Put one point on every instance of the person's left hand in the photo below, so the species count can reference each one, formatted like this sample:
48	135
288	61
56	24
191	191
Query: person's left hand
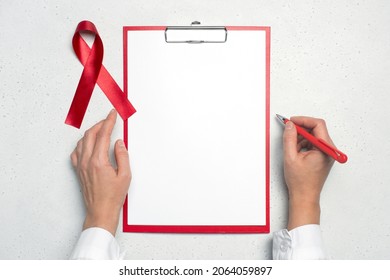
104	187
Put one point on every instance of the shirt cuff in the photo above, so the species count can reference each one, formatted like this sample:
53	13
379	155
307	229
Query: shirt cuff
302	243
96	244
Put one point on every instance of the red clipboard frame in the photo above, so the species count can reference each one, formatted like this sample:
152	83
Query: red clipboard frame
237	229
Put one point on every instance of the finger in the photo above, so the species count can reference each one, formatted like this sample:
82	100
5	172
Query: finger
79	148
102	144
73	158
79	151
122	159
290	141
317	126
89	141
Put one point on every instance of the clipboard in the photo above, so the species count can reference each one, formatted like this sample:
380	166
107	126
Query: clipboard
199	142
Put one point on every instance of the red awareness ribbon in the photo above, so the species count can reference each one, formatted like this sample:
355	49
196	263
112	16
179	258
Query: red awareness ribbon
94	72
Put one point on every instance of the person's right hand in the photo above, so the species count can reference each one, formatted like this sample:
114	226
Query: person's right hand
305	170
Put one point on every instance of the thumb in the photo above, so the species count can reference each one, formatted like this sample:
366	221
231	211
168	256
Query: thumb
122	158
290	138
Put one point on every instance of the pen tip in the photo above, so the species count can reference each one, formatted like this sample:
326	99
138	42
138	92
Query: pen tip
280	118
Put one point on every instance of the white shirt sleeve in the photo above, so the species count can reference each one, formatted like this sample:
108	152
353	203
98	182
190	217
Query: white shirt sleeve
97	244
304	242
301	243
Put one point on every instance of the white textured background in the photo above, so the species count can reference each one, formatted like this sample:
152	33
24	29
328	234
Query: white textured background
329	59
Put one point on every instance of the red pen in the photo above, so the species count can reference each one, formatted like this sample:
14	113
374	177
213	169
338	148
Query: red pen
319	143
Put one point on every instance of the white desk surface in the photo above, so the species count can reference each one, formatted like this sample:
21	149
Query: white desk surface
329	59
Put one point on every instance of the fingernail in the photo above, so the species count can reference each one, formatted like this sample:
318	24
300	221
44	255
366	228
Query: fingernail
289	125
121	144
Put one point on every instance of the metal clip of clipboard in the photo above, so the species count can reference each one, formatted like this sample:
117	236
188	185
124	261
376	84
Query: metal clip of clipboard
196	34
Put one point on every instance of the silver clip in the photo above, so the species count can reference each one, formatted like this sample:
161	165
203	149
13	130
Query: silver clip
196	34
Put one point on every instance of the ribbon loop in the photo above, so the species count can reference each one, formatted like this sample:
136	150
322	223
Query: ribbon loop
94	72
